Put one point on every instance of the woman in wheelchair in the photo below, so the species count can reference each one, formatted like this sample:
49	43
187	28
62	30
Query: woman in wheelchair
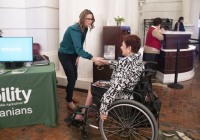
118	116
125	76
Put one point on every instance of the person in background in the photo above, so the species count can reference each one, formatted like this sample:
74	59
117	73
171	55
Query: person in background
1	33
71	48
166	27
125	76
179	26
153	41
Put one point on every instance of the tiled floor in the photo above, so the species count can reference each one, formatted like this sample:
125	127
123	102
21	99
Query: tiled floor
180	111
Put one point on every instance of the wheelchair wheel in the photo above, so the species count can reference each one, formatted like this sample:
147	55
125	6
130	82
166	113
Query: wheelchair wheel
129	120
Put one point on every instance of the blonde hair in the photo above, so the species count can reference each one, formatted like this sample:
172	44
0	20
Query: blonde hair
82	17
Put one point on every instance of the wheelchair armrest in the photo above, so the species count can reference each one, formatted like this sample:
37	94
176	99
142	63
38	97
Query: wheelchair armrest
147	73
148	70
150	62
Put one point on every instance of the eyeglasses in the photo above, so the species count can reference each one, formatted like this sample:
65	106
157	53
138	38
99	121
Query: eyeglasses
89	19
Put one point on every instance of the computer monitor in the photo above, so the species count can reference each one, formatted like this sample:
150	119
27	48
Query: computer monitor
14	51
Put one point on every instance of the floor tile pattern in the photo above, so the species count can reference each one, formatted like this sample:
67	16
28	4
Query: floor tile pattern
180	111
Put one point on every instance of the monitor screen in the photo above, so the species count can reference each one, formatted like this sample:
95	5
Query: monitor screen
16	49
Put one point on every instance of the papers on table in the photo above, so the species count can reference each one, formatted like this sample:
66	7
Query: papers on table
17	71
4	71
41	63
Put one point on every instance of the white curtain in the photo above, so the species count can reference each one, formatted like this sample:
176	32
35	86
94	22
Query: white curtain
195	16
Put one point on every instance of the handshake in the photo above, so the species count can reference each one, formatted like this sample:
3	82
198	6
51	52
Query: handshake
100	61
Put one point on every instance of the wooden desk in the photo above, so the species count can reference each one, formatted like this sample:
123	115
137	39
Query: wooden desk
167	58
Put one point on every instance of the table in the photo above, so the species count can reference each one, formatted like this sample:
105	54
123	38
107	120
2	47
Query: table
29	98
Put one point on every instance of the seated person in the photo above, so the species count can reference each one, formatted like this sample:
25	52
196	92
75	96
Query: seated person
36	53
125	75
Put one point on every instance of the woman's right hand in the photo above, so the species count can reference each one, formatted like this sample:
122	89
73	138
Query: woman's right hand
103	116
77	60
97	60
104	62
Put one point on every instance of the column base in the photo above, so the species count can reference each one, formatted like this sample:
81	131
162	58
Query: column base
169	78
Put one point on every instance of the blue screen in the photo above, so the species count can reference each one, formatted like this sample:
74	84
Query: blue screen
16	49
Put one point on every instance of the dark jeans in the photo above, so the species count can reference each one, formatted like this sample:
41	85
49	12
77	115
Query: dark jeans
151	57
68	63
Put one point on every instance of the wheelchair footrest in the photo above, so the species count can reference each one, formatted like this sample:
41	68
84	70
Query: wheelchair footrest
77	123
71	121
84	134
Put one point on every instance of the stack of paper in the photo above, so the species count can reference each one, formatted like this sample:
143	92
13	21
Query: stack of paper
4	71
40	63
16	71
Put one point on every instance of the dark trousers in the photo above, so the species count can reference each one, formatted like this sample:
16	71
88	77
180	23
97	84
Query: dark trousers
68	63
151	57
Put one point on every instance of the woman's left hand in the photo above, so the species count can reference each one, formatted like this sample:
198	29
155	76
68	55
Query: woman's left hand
77	60
103	116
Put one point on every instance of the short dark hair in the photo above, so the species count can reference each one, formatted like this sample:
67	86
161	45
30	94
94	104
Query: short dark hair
157	21
180	18
133	41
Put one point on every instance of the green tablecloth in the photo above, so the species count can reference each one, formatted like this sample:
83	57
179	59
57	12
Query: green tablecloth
29	98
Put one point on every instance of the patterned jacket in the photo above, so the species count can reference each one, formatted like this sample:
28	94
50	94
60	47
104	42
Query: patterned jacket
125	75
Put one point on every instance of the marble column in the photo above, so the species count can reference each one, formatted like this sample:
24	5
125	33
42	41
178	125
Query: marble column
186	11
141	5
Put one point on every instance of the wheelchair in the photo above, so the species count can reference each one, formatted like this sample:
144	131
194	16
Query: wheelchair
136	119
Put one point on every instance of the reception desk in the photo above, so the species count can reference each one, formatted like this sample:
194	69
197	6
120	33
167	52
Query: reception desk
167	58
29	98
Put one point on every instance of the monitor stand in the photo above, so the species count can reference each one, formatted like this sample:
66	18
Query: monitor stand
13	65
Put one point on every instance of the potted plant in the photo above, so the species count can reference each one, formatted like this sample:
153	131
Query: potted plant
119	20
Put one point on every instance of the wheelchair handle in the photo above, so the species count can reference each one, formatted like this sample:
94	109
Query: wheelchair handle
150	62
149	71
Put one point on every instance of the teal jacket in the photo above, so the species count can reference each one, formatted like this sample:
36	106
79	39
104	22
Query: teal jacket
73	40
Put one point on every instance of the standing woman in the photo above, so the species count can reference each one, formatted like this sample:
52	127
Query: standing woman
71	47
153	41
179	25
